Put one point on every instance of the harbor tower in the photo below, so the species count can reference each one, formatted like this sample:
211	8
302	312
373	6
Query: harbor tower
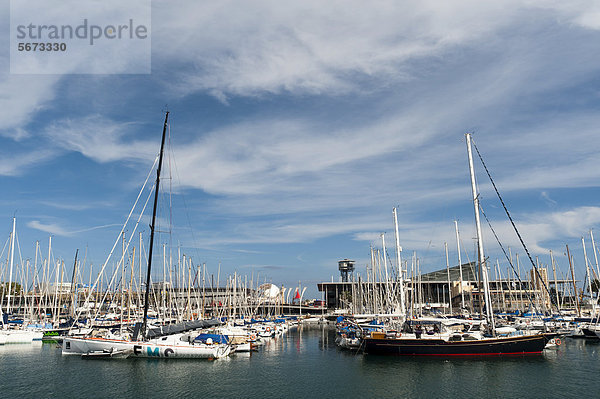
346	268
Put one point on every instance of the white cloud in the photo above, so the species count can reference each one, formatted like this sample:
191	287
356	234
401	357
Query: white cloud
18	164
421	75
100	139
311	47
280	231
579	12
314	47
276	156
22	97
76	206
51	228
541	231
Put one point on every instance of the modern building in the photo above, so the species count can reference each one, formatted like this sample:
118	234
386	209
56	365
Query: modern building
432	290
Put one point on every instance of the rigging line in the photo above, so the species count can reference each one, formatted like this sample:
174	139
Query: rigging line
387	254
537	272
88	297
170	189
135	227
466	253
21	257
4	248
507	258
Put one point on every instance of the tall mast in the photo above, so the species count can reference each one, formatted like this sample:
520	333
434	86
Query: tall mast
152	225
483	267
12	257
595	253
139	285
555	282
123	280
499	280
387	280
47	279
73	284
521	303
574	285
462	293
37	247
399	260
589	280
448	272
131	277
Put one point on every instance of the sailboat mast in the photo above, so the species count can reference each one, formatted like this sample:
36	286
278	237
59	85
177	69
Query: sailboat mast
462	293
152	225
399	261
589	274
387	280
555	282
488	302
449	283
73	284
12	257
574	284
595	253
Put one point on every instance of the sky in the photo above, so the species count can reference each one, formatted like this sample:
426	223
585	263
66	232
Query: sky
296	127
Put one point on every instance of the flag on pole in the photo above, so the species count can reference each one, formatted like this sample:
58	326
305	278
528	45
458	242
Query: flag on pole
297	294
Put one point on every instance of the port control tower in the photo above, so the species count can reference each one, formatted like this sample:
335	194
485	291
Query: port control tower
346	268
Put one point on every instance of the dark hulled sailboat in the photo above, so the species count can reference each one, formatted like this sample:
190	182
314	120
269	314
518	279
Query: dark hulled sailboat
457	344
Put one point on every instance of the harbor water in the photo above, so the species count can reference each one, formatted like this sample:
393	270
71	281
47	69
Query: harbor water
304	363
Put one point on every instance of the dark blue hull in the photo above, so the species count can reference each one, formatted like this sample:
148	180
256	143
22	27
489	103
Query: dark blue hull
519	345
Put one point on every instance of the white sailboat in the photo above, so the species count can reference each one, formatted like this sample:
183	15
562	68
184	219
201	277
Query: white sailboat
177	345
182	345
14	335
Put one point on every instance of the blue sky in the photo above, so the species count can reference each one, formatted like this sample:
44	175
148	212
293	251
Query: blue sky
296	127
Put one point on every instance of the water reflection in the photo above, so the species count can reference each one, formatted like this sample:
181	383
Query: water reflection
304	362
32	347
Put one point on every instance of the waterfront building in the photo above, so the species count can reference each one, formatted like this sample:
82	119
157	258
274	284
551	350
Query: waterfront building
430	290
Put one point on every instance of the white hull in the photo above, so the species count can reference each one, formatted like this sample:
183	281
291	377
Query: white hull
170	347
245	347
20	336
310	320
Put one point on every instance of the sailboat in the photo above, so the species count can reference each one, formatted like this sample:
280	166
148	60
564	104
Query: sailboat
10	335
443	341
144	342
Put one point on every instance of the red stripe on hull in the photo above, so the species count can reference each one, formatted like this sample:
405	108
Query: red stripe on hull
471	354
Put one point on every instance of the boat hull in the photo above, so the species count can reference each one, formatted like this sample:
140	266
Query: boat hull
150	349
518	345
20	336
590	332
